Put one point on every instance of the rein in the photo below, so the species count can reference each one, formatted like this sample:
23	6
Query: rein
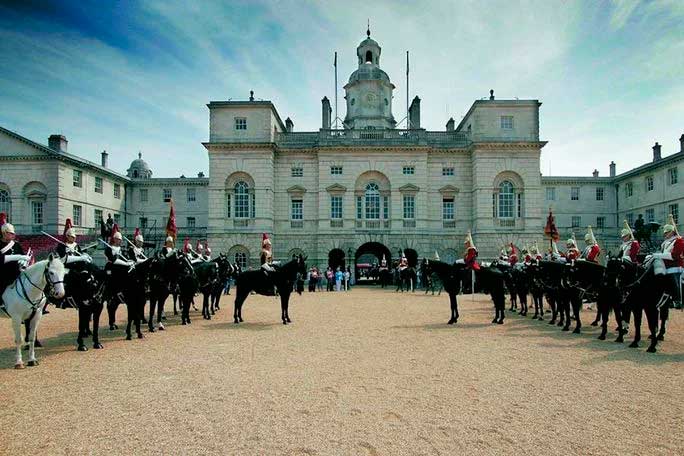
24	294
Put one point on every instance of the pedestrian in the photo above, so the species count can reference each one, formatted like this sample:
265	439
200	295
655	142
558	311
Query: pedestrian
339	276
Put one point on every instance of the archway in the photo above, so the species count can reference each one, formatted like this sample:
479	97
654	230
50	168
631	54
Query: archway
367	259
336	258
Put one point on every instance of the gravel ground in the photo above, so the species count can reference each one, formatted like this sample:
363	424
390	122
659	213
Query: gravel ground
369	372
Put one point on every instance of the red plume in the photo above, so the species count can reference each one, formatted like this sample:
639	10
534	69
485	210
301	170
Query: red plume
197	246
550	229
264	237
171	223
514	249
3	218
67	225
137	232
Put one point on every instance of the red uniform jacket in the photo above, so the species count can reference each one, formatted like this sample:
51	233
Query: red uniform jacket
572	253
471	259
591	253
513	259
631	250
677	252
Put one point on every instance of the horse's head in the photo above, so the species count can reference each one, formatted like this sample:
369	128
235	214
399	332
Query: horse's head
54	276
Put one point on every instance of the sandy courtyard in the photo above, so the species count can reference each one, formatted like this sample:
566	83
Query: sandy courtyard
369	372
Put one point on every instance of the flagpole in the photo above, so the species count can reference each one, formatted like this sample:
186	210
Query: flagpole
335	90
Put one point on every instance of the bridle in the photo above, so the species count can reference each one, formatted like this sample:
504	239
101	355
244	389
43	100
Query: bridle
49	285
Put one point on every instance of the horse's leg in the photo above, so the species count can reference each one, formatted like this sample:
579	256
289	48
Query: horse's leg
598	316
637	310
35	322
18	342
618	313
97	307
552	305
161	300
112	304
205	305
83	321
153	303
130	304
603	308
454	313
140	315
283	307
576	308
664	314
565	318
652	319
175	299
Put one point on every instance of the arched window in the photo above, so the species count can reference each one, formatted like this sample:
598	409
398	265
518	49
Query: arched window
241	259
372	201
506	200
6	203
241	200
369	57
135	173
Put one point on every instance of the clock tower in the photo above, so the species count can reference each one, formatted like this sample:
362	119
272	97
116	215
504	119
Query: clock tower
369	91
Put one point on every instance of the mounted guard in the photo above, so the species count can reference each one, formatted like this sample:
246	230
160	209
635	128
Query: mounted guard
169	247
669	262
135	250
630	246
266	254
592	250
470	255
12	257
572	253
403	262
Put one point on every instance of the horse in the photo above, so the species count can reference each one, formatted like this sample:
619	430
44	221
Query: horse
521	286
407	276
135	295
491	280
385	277
584	282
551	275
25	298
225	270
283	278
536	290
451	276
187	287
610	296
163	275
207	273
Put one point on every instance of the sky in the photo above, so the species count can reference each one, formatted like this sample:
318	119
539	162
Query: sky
132	76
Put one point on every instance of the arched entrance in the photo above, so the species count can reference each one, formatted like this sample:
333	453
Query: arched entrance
368	258
336	258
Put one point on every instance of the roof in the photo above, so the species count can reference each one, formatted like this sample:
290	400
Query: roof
496	103
248	104
651	165
65	156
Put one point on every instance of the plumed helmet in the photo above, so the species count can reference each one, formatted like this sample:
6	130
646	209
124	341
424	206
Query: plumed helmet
70	233
570	242
200	247
117	235
7	228
469	239
265	240
589	237
436	257
670	226
626	230
208	250
169	239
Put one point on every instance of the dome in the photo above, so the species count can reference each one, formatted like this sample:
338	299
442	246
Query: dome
139	169
369	42
368	72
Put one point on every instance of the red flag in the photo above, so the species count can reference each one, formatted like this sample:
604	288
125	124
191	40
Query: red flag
171	224
67	225
115	229
137	232
550	229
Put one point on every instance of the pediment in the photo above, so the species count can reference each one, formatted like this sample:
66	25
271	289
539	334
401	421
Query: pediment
449	190
409	188
296	189
336	188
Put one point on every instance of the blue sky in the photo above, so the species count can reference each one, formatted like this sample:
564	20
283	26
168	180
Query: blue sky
132	76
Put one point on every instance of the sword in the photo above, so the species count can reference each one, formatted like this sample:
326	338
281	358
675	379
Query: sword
135	246
64	244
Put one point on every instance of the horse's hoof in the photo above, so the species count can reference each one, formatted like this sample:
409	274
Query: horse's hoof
618	329
189	321
620	339
241	320
97	346
450	322
602	337
540	318
565	328
19	366
113	327
661	337
128	337
140	335
35	362
183	323
634	344
144	322
82	348
552	322
161	327
37	344
576	331
594	323
284	322
500	321
175	313
651	349
150	329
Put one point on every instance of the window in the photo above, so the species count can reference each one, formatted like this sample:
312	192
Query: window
117	218
447	171
97	217
77	215
649	183
576	221
574	193
191	192
190	222
507	122
408	170
336	170
98	184
142	222
448	209
506	200
143	195
252	208
117	191
241	259
167	194
6	203
650	215
600	222
359	208
674	210
78	178
37	212
519	195
629	189
599	193
630	218
297	171
409	207
241	200
372	201
297	209
550	193
228	205
672	176
241	123
335	207
385	207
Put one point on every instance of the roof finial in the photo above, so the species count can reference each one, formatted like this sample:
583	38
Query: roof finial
139	154
368	30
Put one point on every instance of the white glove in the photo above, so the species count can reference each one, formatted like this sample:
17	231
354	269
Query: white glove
19	258
121	262
662	256
459	261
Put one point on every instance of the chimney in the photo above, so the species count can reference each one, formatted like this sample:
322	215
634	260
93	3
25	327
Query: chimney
289	125
491	94
681	143
656	152
450	124
414	114
58	143
326	113
612	169
251	95
595	173
200	174
105	156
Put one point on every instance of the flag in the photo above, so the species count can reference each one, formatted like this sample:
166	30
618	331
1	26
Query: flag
67	225
115	229
550	229
186	245
136	233
171	224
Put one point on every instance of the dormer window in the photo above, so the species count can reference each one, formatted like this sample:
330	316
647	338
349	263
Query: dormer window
241	123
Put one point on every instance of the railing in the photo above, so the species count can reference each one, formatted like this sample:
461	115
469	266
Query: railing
241	223
296	224
448	223
409	223
336	223
372	137
506	223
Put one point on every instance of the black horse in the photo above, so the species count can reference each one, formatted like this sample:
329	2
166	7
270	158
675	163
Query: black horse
611	297
492	281
584	283
207	274
187	287
407	279
135	295
225	271
283	278
163	281
451	276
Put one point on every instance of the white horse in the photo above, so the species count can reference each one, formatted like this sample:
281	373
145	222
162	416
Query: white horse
24	300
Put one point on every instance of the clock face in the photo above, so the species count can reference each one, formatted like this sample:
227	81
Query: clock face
370	99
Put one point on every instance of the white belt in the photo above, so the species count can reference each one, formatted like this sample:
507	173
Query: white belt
674	270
